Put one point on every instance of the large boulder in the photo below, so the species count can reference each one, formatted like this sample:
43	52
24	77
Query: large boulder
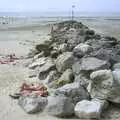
90	109
92	64
74	91
82	49
59	106
105	85
64	61
114	94
101	84
32	103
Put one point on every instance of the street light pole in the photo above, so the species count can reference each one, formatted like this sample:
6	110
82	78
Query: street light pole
73	6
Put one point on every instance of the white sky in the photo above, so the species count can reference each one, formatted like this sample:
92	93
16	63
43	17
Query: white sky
59	5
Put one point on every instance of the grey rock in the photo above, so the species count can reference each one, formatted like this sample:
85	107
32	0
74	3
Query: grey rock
82	49
102	54
92	64
59	106
54	53
116	76
101	84
62	47
105	85
90	109
74	91
114	95
82	79
116	66
64	61
73	40
32	103
76	67
53	75
46	68
66	77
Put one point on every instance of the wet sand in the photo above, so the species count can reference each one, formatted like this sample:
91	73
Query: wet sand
19	40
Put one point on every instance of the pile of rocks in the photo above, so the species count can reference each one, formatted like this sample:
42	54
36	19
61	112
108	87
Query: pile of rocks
81	70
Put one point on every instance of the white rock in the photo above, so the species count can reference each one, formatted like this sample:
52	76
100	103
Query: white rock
116	66
116	76
90	109
37	62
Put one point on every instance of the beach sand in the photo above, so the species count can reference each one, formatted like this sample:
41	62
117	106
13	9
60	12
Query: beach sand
19	39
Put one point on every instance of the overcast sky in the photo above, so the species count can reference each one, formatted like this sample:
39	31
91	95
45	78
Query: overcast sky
59	5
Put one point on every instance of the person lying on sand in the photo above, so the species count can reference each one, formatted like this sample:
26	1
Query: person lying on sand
34	88
8	59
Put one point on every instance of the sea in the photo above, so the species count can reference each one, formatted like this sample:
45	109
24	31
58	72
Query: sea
24	17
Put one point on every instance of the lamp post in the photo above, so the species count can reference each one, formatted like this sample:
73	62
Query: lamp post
73	6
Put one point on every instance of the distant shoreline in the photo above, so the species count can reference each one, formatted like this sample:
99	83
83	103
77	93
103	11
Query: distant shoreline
37	19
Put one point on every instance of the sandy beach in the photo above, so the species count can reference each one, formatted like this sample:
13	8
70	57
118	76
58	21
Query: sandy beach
19	39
